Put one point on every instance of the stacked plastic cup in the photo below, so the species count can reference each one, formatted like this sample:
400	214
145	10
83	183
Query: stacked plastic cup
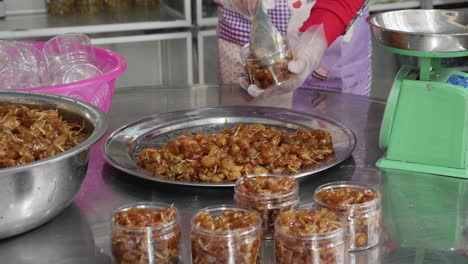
19	68
70	58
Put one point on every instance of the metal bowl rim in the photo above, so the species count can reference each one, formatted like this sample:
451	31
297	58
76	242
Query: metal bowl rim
370	17
100	128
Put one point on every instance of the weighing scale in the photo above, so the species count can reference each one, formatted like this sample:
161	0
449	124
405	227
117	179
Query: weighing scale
425	124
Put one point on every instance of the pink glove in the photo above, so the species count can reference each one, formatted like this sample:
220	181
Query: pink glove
245	7
308	48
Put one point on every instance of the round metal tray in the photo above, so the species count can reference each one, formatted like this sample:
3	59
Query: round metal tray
422	30
124	144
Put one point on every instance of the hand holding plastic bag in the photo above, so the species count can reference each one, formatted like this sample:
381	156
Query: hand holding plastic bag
308	49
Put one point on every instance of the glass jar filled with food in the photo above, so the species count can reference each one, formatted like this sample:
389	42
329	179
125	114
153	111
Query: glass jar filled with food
89	6
140	4
226	234
360	204
311	235
269	70
146	233
269	195
60	7
119	5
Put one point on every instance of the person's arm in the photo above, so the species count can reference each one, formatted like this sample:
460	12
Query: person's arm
335	15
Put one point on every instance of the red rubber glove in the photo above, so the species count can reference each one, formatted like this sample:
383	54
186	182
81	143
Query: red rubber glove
335	15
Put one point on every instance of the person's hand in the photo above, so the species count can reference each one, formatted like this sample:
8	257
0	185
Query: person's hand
308	49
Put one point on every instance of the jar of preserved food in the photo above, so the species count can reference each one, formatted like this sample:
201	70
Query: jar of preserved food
360	204
89	6
227	235
60	7
119	5
146	233
271	69
152	4
311	235
269	195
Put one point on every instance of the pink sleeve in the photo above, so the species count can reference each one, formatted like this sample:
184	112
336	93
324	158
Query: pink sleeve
335	15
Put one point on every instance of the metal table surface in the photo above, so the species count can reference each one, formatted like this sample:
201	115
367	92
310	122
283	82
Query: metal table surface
425	216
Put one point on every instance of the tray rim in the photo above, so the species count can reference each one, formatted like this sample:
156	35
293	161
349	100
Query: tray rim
108	159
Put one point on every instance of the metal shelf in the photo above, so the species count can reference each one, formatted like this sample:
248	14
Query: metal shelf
448	2
395	6
41	25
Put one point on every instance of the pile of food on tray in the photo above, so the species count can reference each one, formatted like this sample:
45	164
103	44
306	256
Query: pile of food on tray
245	149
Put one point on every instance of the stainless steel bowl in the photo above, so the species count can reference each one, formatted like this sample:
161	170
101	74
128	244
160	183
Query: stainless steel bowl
36	192
422	30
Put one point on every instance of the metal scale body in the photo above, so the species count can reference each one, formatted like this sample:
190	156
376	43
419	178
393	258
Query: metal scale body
425	125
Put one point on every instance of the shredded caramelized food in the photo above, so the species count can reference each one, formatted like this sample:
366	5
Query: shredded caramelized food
267	185
309	221
144	217
364	217
227	220
133	244
343	197
27	135
268	195
241	244
265	76
242	150
299	237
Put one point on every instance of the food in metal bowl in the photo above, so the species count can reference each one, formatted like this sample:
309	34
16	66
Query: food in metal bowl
35	191
30	134
245	149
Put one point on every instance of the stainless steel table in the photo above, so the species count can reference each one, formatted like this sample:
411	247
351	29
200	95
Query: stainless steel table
426	216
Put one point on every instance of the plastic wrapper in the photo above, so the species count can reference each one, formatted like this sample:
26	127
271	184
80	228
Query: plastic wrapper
267	71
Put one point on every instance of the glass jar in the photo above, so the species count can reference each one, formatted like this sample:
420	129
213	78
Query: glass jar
371	255
271	69
226	234
89	6
119	5
269	195
60	7
311	235
146	233
152	4
364	219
